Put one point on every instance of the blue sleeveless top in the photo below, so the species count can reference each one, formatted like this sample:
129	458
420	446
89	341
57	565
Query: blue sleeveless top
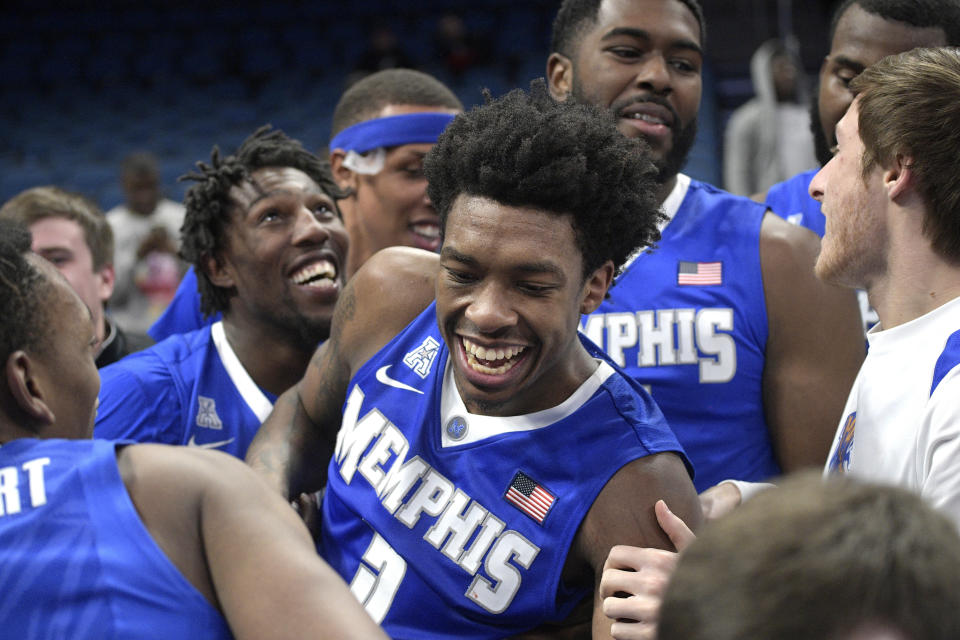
445	535
76	561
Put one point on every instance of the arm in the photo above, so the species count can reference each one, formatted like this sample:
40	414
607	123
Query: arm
623	514
240	545
814	349
293	446
643	575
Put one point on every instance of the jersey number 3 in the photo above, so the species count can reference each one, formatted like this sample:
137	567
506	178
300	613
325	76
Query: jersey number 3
378	577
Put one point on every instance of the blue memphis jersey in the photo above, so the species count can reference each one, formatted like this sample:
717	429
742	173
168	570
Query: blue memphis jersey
76	561
699	347
468	540
791	201
189	389
183	314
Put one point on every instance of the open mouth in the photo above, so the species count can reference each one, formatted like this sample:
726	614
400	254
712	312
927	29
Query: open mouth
321	272
493	361
426	235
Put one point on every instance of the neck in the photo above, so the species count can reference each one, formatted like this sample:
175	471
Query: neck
274	359
916	280
664	189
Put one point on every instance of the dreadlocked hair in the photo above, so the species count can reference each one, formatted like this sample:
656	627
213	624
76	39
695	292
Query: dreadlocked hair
209	206
528	150
22	293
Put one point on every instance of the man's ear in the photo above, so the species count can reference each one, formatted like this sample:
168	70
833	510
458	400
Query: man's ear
898	178
559	75
596	286
344	177
28	393
107	277
218	271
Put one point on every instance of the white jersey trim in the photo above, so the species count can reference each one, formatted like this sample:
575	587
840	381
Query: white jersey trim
669	208
482	427
249	391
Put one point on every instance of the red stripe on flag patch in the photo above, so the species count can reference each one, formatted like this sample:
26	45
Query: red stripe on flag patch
527	495
699	273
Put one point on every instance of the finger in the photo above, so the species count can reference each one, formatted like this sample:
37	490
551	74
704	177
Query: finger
634	608
648	581
675	528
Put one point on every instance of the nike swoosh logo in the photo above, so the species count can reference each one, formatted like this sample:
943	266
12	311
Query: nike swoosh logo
390	382
192	442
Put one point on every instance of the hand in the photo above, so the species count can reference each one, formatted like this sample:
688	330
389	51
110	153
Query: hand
719	500
635	578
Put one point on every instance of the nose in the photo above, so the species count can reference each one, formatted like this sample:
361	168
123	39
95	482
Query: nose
308	228
490	310
653	74
816	186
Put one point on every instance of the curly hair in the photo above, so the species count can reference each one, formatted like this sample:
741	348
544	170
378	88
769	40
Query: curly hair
575	15
209	205
22	293
365	99
528	150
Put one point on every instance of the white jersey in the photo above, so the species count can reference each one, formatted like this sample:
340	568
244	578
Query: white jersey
901	424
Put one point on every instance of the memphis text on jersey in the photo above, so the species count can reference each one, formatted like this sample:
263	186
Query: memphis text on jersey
465	532
669	337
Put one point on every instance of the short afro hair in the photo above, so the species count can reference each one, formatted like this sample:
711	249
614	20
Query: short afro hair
23	290
528	150
939	14
368	96
574	15
209	205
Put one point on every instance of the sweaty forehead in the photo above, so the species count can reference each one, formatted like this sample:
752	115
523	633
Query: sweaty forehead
864	38
272	180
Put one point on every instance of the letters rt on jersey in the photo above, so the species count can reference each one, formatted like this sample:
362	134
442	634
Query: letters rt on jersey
669	337
458	518
31	473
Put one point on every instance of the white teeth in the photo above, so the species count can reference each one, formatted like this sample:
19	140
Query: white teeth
476	353
322	269
647	118
427	230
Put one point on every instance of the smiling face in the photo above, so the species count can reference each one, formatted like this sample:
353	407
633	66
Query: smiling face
854	246
861	39
642	60
509	297
391	208
66	370
284	254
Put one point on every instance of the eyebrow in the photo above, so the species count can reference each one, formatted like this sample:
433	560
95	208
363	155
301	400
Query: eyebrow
282	192
526	267
849	63
642	34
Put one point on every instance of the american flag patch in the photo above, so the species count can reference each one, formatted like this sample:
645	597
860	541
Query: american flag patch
528	496
702	273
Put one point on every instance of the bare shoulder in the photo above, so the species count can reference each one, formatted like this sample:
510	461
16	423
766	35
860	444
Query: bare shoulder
382	297
760	196
783	244
623	512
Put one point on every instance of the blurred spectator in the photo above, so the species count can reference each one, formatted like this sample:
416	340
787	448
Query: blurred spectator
383	52
146	228
72	233
767	139
457	48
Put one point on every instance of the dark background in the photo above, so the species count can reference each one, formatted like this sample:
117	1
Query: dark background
85	85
